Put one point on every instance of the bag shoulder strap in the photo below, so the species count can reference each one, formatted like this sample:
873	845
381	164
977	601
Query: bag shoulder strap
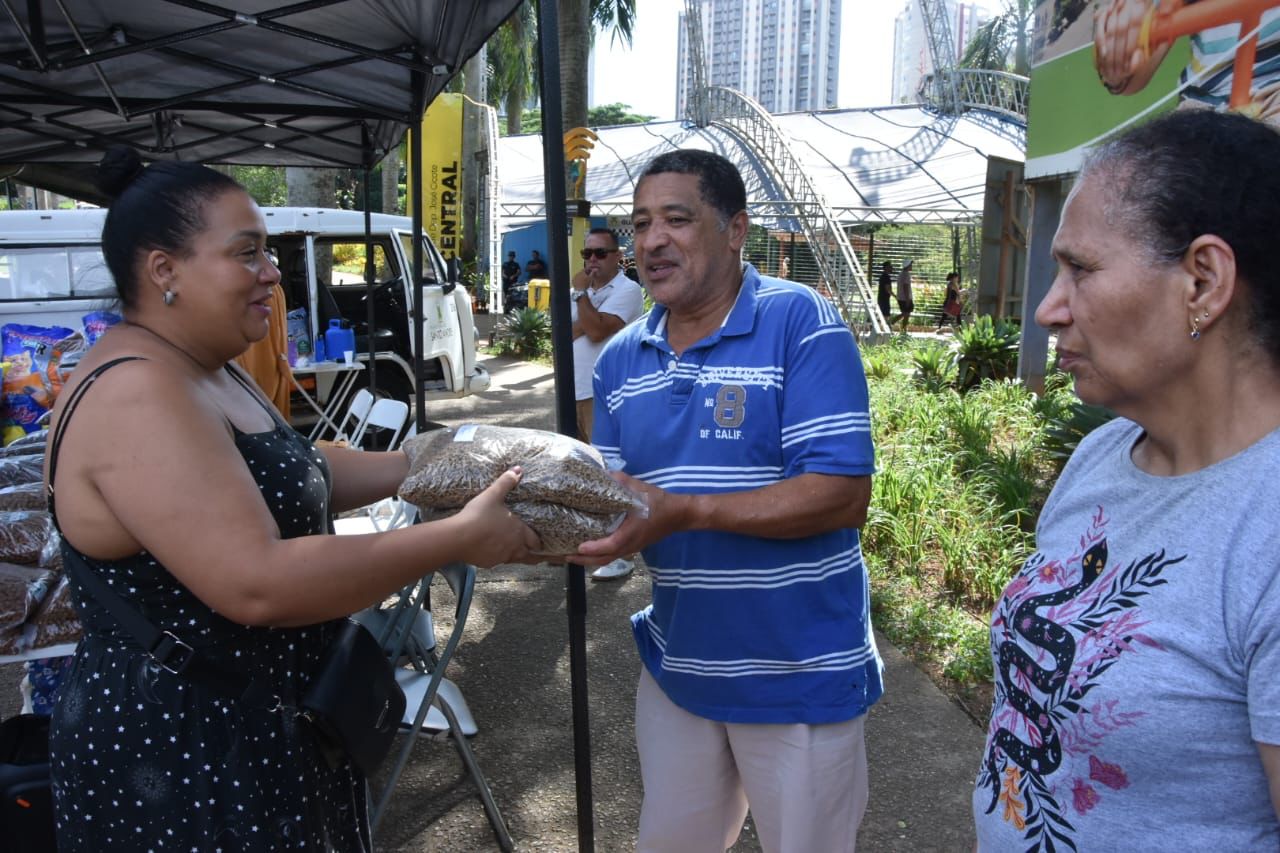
55	440
166	649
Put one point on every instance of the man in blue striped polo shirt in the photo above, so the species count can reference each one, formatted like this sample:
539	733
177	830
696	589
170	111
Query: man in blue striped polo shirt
738	406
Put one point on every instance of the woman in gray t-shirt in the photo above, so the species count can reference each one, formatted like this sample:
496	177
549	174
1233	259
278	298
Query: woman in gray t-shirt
1137	652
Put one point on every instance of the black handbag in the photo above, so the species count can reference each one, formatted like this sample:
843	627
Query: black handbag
355	702
26	796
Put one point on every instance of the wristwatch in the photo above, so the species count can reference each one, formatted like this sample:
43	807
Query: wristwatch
578	294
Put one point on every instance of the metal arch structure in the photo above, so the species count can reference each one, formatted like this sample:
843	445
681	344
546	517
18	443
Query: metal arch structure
755	128
942	49
954	90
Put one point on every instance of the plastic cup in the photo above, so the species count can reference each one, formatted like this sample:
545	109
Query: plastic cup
348	356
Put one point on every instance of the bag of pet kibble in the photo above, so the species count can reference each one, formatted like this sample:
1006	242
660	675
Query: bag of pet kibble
565	493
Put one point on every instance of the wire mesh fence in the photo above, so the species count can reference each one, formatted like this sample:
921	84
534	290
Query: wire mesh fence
935	249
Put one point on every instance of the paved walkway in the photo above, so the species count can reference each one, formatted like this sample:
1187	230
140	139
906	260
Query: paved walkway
513	668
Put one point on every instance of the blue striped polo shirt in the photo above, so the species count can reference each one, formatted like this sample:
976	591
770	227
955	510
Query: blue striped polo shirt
745	629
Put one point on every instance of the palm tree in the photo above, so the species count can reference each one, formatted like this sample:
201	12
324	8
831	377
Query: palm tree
512	62
512	57
1001	43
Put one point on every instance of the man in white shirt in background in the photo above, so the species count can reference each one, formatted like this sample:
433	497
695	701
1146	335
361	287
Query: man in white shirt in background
604	300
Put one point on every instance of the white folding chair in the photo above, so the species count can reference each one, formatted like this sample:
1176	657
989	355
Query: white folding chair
385	414
435	705
357	411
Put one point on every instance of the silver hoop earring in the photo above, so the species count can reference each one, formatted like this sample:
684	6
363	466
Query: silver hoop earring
169	296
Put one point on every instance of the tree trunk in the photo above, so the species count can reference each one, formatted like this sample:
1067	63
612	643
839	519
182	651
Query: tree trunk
472	142
391	181
307	187
575	46
518	93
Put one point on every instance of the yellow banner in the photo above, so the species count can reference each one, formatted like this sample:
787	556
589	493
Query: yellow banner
441	139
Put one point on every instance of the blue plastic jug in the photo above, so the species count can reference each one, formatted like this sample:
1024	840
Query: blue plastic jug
338	340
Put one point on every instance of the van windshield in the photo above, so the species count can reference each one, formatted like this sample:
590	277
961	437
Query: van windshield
431	271
54	272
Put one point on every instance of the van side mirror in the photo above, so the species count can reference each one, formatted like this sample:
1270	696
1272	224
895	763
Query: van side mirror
453	274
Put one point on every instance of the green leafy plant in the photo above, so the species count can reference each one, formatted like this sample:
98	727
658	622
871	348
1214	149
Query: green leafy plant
1064	432
935	367
525	333
986	349
877	366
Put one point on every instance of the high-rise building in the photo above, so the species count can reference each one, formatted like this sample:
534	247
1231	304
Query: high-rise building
783	53
912	60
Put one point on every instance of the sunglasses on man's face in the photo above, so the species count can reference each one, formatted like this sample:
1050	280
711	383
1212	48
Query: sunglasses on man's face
600	254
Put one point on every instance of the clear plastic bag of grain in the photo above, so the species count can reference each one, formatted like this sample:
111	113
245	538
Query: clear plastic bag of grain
56	628
29	538
565	493
16	470
22	590
32	441
27	496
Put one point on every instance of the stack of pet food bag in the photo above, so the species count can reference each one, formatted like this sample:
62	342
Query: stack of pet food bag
36	618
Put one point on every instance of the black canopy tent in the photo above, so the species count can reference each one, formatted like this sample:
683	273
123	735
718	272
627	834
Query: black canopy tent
312	83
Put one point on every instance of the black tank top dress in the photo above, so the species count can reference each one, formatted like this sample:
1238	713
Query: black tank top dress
146	760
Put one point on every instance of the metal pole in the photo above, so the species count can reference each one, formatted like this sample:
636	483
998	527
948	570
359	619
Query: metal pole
415	199
566	412
369	270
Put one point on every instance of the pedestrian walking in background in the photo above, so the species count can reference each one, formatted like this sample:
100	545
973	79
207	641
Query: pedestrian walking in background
906	299
951	302
885	293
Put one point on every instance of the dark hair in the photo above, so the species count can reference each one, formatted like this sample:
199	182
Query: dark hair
1196	172
953	274
160	206
613	235
719	182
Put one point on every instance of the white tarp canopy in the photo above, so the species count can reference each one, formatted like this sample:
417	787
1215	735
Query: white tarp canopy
890	164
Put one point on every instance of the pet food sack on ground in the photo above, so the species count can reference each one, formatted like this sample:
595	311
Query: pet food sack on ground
31	383
27	537
13	450
565	494
56	628
28	496
36	615
22	589
16	470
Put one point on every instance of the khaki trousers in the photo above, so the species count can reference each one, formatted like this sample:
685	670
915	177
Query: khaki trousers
806	785
584	420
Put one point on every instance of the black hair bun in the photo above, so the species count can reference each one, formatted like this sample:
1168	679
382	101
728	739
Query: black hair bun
119	167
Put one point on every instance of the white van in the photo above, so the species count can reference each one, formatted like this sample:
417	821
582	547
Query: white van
52	273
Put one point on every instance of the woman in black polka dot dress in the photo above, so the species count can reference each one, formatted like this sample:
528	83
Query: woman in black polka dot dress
178	486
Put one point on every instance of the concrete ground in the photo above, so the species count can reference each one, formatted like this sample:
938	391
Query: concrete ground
513	669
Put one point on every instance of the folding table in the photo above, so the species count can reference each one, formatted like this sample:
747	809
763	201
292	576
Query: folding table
333	380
